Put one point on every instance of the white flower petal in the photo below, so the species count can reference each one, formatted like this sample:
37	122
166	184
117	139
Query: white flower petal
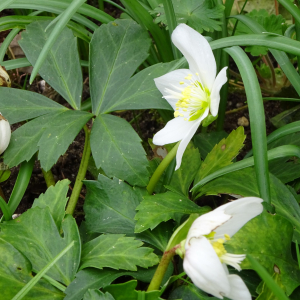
203	266
238	289
174	131
220	80
197	52
5	134
171	81
183	144
241	212
207	223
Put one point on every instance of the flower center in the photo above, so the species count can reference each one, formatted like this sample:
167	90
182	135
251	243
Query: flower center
194	100
227	258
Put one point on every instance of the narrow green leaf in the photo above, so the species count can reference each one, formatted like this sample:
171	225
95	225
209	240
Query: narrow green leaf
55	198
36	235
24	140
5	210
116	51
163	207
117	150
291	8
59	134
118	252
57	30
268	40
60	66
40	274
257	119
222	154
5	4
15	273
20	105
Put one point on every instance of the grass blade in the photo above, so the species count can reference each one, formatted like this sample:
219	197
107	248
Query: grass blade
40	274
5	4
257	119
61	23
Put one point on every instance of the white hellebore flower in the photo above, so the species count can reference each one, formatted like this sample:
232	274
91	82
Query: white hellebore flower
193	93
205	257
5	134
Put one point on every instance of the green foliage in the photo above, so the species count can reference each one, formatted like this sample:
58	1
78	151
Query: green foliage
61	68
117	150
117	49
15	273
163	207
190	292
20	105
270	22
55	198
118	252
205	142
184	176
275	256
222	154
36	235
266	292
97	295
286	117
59	134
200	15
126	291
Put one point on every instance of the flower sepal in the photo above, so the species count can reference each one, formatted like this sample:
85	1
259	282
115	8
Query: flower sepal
208	120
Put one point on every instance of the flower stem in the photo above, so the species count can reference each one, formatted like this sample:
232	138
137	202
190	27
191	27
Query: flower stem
81	173
48	178
161	269
160	169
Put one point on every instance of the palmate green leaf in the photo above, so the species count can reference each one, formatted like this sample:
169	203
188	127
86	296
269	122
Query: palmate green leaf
267	293
244	183
285	169
36	235
15	273
163	207
205	142
127	291
19	105
140	92
24	140
268	239
59	134
286	117
270	23
222	154
97	295
61	69
116	51
117	150
55	198
110	206
91	278
200	15
118	252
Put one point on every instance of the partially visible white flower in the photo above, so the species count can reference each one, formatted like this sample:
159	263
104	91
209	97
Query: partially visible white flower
5	134
193	93
206	258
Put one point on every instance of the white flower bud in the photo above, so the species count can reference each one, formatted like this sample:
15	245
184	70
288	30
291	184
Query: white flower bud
5	134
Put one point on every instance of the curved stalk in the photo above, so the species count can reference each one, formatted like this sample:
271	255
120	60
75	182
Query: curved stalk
48	178
160	169
162	268
81	173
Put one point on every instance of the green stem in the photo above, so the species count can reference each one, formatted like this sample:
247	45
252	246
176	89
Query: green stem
5	210
161	269
81	173
101	5
48	178
160	169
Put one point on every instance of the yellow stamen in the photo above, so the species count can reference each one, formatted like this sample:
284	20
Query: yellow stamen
227	237
181	82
